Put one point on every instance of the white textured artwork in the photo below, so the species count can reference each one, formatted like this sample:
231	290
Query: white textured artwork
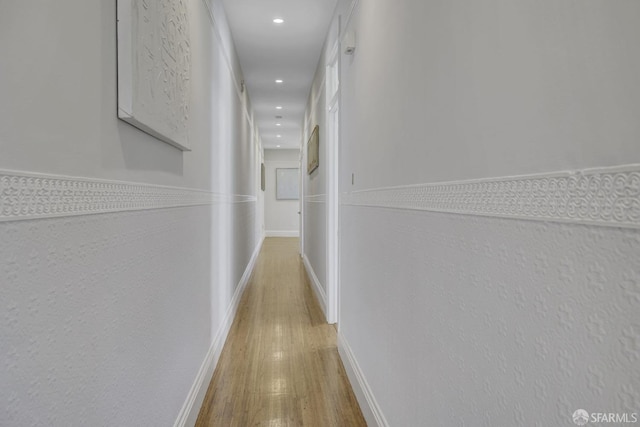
154	67
287	184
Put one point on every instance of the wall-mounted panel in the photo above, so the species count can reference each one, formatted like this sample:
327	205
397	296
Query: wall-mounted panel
287	184
154	68
282	217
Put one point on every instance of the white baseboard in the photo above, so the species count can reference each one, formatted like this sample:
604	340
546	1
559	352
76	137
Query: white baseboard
368	404
277	233
317	287
189	412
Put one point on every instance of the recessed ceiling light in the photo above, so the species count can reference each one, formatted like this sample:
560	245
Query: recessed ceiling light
278	124
278	136
277	146
278	20
279	80
279	107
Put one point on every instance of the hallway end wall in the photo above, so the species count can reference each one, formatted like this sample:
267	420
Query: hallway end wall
115	282
473	291
281	216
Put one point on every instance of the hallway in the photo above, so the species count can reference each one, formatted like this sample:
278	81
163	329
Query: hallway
463	178
280	365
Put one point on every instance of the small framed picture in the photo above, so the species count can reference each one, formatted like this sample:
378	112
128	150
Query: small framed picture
313	151
287	184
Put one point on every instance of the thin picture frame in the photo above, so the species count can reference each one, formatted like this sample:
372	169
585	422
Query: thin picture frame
313	150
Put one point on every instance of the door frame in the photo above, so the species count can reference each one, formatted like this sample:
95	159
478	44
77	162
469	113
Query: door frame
332	85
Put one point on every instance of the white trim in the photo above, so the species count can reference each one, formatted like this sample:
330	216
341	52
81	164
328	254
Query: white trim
321	89
317	287
368	404
333	208
316	198
27	195
283	162
187	415
313	106
604	196
191	408
348	19
282	233
227	58
301	205
124	54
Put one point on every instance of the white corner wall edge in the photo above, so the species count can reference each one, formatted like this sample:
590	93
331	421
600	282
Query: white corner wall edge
317	288
282	233
191	408
368	404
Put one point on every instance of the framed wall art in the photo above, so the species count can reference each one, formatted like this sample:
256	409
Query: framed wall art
287	184
154	68
313	151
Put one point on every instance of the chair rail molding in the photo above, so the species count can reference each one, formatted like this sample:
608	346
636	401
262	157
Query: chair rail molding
316	198
605	197
25	195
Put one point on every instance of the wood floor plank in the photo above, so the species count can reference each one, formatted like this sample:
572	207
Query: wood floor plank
280	365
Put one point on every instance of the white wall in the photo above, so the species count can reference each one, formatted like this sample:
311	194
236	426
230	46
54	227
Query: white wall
260	215
281	216
106	319
509	301
315	185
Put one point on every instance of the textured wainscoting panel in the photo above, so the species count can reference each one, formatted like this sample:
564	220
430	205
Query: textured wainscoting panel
609	197
95	317
470	320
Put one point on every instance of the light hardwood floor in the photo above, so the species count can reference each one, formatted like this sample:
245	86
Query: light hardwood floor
280	364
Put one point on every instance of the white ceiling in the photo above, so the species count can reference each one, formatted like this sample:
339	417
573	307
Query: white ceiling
288	51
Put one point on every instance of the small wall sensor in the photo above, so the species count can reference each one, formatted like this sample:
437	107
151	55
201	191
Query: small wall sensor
349	43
